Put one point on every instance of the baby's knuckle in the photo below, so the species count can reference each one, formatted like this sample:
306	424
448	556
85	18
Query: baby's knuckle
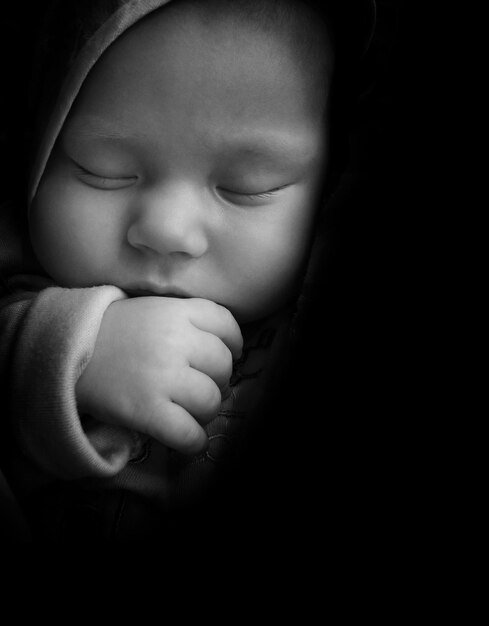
226	361
174	340
233	329
218	310
146	415
192	437
220	354
211	399
199	304
226	316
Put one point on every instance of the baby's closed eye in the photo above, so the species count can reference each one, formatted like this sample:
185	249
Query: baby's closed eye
242	196
101	181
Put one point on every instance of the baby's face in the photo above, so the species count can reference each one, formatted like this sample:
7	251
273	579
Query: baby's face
190	165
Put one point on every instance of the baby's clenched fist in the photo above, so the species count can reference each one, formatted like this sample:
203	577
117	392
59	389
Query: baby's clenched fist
160	366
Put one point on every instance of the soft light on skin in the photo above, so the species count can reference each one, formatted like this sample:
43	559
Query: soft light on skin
190	164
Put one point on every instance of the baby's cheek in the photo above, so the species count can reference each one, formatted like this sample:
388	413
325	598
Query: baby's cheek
60	239
269	286
44	231
285	267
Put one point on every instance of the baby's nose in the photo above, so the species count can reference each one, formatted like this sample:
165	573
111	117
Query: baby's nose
171	220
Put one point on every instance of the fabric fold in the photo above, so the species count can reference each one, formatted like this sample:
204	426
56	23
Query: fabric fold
58	336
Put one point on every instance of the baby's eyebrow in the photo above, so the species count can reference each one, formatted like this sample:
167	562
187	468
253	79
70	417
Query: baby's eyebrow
92	127
90	134
275	149
279	148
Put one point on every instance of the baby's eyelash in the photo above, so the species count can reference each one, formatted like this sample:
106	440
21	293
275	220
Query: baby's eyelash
105	182
264	194
85	172
261	194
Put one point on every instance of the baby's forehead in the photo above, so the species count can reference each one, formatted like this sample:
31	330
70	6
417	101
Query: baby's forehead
287	30
191	81
183	48
302	30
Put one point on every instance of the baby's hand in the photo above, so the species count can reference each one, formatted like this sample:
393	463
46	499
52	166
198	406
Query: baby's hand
160	366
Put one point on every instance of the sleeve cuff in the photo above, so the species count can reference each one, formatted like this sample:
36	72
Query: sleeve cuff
55	344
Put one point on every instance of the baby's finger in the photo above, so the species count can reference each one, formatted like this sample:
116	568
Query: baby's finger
198	394
211	356
174	427
216	319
